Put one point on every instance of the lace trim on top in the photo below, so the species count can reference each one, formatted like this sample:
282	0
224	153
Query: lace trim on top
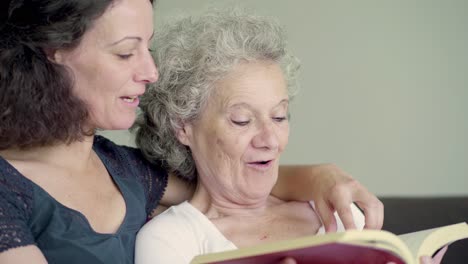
16	199
131	163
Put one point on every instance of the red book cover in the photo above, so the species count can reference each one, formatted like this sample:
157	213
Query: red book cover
367	246
333	253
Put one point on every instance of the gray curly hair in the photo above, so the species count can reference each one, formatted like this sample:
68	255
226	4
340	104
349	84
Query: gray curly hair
192	54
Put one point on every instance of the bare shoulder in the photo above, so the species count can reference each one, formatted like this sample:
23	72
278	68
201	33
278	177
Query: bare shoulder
23	255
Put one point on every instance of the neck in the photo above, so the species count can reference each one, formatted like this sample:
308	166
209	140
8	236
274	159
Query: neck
75	155
216	205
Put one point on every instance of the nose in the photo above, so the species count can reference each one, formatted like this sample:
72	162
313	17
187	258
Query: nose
267	137
147	72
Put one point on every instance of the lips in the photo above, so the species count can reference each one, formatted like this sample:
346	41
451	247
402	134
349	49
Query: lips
261	165
260	162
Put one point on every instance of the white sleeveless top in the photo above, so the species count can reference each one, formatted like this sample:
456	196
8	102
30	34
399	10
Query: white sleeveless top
182	232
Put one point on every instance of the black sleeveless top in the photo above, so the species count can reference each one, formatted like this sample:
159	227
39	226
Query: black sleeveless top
30	216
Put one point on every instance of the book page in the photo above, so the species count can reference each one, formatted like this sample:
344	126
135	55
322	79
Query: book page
427	242
414	240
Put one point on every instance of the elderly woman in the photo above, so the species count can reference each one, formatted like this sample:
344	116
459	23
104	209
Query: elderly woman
229	147
219	117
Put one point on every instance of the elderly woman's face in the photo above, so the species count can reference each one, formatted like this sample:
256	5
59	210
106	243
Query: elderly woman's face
112	64
238	139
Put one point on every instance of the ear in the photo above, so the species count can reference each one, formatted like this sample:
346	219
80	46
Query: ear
55	55
184	133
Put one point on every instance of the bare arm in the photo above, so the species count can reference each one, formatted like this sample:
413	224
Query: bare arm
23	255
176	192
332	190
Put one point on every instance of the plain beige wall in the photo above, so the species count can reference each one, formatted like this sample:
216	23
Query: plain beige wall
384	88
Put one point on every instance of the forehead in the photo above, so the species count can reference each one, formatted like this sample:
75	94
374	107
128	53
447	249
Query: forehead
121	18
252	81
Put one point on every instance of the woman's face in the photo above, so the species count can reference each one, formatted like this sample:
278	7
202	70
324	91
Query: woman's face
112	64
239	136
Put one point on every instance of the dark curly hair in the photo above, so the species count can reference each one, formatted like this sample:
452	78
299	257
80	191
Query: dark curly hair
37	106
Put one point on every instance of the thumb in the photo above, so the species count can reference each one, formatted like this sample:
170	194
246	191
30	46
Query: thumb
288	260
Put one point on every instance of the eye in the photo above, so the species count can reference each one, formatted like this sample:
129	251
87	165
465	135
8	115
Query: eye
280	119
125	56
241	123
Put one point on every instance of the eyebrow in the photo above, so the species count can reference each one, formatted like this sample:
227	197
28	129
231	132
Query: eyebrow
286	100
124	39
139	39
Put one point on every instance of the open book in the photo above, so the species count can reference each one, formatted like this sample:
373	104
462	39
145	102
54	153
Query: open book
367	246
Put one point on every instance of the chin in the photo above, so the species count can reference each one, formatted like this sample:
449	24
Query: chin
123	126
119	124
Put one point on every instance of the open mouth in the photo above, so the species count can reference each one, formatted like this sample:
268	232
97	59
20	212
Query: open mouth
261	162
130	99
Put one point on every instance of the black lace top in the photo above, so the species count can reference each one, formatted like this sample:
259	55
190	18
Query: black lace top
30	216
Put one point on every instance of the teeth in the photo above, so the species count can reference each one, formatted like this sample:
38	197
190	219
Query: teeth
129	99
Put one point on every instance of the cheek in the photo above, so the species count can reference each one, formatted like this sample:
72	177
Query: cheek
96	75
230	146
219	146
85	77
283	137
